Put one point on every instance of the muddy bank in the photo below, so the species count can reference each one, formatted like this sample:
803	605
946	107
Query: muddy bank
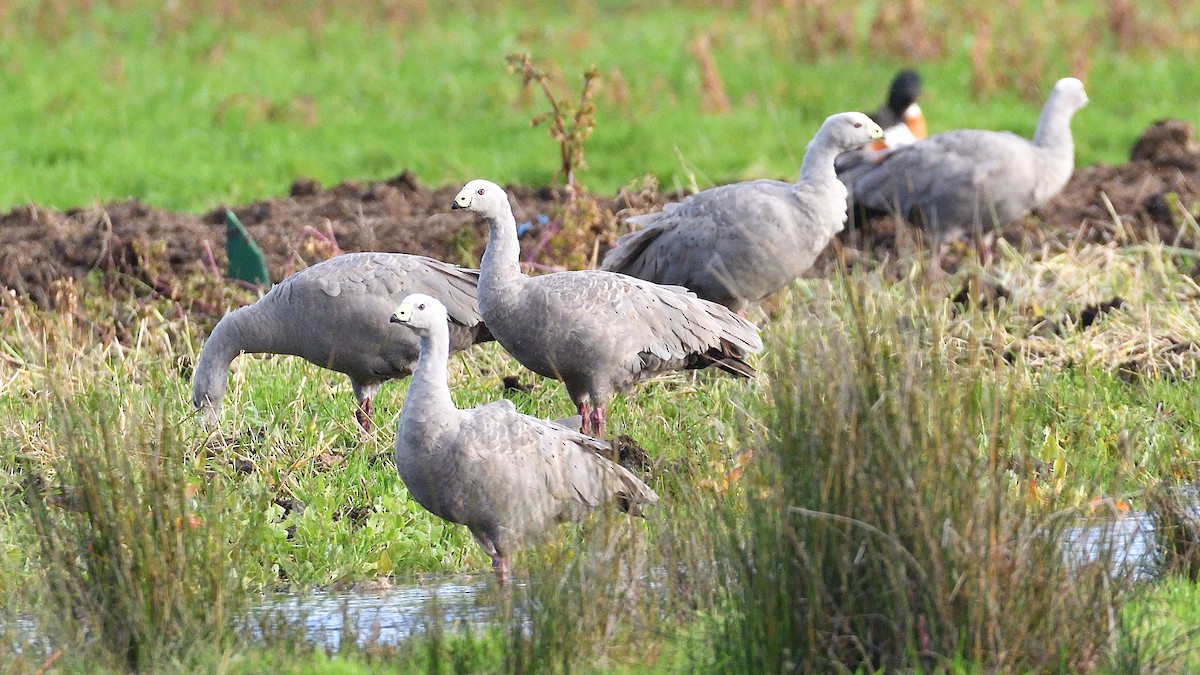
156	248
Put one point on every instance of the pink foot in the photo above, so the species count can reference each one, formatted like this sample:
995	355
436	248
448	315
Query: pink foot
363	414
598	422
500	567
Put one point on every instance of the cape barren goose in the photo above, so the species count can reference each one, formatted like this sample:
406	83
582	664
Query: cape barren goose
508	477
598	332
335	315
737	244
969	180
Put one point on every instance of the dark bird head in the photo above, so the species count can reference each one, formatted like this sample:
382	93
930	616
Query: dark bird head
906	87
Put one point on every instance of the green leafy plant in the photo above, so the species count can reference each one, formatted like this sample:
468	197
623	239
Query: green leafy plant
583	221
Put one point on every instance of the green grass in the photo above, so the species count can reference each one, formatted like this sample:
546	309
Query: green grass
1167	618
294	423
1101	436
193	108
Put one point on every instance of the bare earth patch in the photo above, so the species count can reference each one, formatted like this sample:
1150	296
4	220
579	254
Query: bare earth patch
156	248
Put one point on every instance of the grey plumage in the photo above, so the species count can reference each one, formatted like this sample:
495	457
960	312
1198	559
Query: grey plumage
969	180
737	244
335	315
508	477
598	332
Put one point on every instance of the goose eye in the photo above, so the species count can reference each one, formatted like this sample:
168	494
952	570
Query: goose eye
421	306
858	125
480	191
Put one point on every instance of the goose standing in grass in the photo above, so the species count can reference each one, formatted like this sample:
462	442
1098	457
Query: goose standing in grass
737	244
334	314
598	332
970	180
506	476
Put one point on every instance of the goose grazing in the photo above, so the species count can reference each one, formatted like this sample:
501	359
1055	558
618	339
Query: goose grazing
334	314
737	244
598	332
506	476
970	180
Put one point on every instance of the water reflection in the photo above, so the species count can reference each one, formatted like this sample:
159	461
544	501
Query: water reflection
390	615
1125	543
377	616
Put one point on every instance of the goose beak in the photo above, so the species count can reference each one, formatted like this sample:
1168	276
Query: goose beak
455	205
876	132
403	313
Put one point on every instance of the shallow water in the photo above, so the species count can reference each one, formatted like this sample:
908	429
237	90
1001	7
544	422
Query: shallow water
376	616
391	615
1126	543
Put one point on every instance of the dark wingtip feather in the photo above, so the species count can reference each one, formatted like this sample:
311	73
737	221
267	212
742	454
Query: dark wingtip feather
736	366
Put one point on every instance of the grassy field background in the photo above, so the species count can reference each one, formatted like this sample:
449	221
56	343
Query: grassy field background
133	534
200	103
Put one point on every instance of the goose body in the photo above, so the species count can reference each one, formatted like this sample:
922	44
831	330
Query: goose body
334	315
737	244
598	332
507	477
967	180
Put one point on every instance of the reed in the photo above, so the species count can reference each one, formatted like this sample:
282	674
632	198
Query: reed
138	556
886	530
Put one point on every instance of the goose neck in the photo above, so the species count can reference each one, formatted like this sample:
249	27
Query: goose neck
242	330
429	390
501	265
818	162
1054	127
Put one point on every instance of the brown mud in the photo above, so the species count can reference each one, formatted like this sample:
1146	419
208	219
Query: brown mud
1151	198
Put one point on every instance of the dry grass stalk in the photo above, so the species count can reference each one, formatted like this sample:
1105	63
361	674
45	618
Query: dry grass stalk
574	241
570	123
714	99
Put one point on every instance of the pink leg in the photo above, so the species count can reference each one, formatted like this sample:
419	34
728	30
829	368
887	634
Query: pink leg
598	421
502	570
585	412
363	414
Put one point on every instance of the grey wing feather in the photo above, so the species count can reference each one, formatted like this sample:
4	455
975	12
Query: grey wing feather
947	174
556	463
396	275
645	328
670	319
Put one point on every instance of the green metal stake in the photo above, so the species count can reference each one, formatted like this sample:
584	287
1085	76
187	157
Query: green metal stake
246	260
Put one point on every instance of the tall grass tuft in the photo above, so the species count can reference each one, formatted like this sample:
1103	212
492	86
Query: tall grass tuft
1176	529
885	529
139	559
613	592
